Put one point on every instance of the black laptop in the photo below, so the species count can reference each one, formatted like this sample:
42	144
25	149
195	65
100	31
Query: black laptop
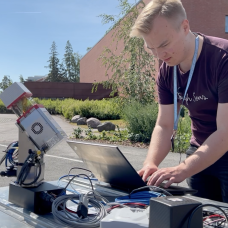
109	165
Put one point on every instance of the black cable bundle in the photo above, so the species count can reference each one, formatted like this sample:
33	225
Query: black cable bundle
25	169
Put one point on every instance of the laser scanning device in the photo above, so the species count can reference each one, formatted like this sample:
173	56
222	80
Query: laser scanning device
38	133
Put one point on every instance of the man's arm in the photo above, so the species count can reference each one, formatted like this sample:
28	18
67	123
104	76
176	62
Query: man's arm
160	141
212	149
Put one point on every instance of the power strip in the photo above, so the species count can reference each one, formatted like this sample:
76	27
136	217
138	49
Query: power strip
126	218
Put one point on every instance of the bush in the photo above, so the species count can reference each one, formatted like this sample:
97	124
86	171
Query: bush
3	108
140	119
106	109
184	133
112	136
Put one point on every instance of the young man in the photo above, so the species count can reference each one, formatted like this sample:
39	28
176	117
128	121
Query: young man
166	31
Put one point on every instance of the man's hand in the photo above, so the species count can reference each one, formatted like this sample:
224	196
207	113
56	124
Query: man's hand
147	170
171	174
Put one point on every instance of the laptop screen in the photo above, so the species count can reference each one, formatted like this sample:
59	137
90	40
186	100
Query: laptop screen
109	165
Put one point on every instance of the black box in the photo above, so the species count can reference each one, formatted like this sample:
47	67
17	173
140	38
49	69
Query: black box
29	198
174	212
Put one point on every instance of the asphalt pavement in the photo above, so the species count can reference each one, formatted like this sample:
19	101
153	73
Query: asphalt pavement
60	159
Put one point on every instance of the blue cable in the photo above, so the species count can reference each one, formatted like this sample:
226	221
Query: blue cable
9	153
139	197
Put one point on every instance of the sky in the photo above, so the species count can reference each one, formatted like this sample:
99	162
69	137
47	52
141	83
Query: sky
28	28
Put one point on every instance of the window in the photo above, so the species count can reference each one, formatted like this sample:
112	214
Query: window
226	25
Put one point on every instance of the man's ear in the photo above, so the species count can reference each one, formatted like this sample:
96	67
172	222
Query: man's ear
185	26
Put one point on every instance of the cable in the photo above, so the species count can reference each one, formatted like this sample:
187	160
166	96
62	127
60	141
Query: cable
37	177
205	205
3	158
9	152
12	151
220	222
73	176
81	218
213	216
154	188
97	196
215	220
25	169
67	218
115	205
143	197
64	190
73	191
91	174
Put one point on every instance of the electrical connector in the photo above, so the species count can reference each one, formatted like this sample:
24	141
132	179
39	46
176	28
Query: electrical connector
46	197
38	152
82	210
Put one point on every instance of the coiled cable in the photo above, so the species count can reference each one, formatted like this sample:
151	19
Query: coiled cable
70	219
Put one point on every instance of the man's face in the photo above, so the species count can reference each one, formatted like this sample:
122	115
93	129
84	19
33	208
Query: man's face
166	42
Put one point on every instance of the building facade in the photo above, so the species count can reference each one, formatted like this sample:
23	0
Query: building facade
209	17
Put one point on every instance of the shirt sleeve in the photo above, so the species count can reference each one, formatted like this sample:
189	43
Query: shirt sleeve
223	80
165	96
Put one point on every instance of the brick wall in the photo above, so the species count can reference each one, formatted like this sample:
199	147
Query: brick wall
205	16
80	91
91	69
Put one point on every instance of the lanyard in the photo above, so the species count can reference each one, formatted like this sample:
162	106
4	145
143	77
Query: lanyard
176	117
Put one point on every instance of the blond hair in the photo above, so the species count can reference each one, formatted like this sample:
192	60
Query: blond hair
169	9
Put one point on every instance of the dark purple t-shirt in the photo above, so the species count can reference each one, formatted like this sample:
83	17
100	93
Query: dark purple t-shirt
208	87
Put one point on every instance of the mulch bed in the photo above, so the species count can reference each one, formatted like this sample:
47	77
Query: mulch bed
124	143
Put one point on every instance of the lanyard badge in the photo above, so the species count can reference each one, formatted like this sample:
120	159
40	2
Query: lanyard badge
177	116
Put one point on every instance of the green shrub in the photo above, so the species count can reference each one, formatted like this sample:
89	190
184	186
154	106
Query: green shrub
112	136
3	108
182	140
77	133
140	119
106	109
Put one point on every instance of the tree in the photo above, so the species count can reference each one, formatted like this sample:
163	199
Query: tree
21	79
62	73
6	82
133	69
72	63
76	66
53	75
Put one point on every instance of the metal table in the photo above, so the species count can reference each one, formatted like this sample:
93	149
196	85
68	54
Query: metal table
12	216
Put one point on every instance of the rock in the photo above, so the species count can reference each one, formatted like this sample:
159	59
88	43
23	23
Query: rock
93	122
75	118
106	126
81	121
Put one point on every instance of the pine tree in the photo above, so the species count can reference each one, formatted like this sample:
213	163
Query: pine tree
68	60
72	63
62	73
76	66
53	75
